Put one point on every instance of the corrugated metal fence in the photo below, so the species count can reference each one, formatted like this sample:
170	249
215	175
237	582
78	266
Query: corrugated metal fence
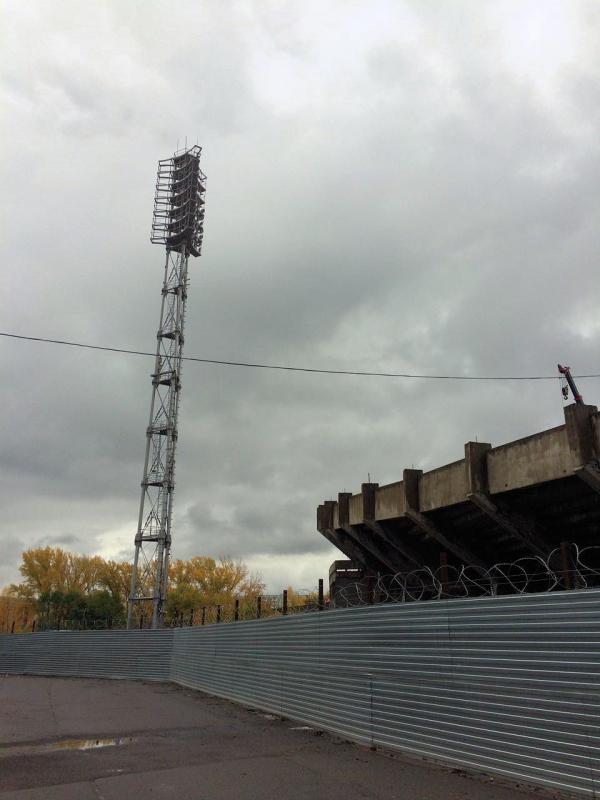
89	654
508	685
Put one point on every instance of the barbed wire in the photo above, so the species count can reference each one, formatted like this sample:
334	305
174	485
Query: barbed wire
570	568
566	567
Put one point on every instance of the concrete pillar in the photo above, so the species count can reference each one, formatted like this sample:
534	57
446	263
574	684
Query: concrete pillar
595	422
328	510
368	496
410	481
476	466
344	508
582	432
320	525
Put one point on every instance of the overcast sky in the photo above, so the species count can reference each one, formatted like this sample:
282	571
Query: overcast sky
398	186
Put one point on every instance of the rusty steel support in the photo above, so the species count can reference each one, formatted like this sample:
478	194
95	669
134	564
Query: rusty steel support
567	565
444	575
236	614
284	605
258	606
370	590
321	596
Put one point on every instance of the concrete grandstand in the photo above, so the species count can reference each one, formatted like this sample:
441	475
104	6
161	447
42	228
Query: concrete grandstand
495	504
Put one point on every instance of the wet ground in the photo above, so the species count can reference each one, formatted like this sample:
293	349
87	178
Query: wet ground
87	739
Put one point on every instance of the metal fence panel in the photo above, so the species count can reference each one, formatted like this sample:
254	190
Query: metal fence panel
509	685
91	654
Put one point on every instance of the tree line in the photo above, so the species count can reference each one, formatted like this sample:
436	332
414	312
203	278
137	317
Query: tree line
60	589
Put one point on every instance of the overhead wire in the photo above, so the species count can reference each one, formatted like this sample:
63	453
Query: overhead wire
282	367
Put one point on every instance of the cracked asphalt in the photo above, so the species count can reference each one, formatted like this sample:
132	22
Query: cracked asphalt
88	739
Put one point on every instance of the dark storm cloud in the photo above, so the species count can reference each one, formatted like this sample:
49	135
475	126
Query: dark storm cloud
404	187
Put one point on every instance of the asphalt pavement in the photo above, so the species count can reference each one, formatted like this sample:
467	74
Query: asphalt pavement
88	739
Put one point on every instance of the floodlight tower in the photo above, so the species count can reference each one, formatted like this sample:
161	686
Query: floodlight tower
177	224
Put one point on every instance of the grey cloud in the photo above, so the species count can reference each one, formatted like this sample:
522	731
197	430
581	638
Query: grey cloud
420	206
279	527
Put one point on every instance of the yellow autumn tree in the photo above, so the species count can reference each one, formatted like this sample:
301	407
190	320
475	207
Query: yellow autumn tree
60	584
16	614
115	576
299	600
52	569
202	582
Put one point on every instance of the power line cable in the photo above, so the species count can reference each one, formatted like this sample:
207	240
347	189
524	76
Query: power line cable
281	367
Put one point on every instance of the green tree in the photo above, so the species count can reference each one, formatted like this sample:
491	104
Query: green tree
103	610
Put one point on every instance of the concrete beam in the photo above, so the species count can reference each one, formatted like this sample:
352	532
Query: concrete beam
344	542
408	553
325	527
590	474
410	479
370	538
344	508
519	526
338	538
386	555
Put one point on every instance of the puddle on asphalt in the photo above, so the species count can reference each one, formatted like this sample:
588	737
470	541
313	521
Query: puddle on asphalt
66	744
86	744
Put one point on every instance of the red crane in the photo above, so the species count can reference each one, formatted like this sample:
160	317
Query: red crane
569	384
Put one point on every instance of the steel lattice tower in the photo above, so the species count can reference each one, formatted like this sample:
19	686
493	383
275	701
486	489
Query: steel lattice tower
177	224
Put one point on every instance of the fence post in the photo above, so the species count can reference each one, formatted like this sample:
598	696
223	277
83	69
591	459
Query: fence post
237	609
141	620
12	630
567	565
445	578
371	590
191	617
284	607
203	614
218	613
258	606
321	598
33	625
